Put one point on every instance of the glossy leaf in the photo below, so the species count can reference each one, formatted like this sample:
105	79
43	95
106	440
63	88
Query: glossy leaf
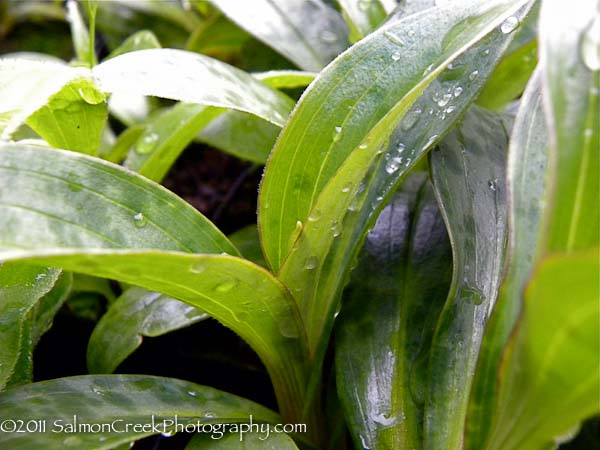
310	34
28	298
569	37
469	178
177	75
261	440
329	122
118	400
549	380
135	314
527	160
73	118
127	212
393	303
26	85
362	16
142	40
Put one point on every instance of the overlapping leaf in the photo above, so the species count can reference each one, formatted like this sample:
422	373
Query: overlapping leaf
393	304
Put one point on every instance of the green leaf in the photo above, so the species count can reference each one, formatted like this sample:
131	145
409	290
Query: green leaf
329	122
142	40
286	79
549	380
569	40
53	193
469	177
527	160
247	241
177	75
26	292
393	303
125	212
509	79
362	16
84	47
261	440
117	400
310	34
73	118
135	314
26	85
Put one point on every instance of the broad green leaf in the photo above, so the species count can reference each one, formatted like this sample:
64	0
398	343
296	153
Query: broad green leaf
192	78
308	33
527	160
73	118
362	16
549	380
261	440
23	318
469	177
509	79
84	47
26	85
135	314
247	241
393	303
166	136
68	200
142	40
42	215
118	400
330	122
570	64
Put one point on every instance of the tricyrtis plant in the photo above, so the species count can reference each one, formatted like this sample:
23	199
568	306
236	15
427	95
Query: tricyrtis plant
431	201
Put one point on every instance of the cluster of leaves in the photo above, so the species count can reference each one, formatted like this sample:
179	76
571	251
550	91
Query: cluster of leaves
436	185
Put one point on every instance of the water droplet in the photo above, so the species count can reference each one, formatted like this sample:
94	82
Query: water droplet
509	25
209	415
443	101
450	109
198	267
364	5
393	165
457	91
396	56
91	95
590	45
486	51
384	420
226	286
492	184
400	147
336	228
139	220
471	294
430	141
411	118
363	442
393	38
347	188
428	69
40	276
147	143
473	75
315	215
311	263
328	36
192	393
337	134
411	33
167	434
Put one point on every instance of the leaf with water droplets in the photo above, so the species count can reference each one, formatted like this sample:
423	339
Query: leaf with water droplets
135	314
118	400
308	33
476	215
392	303
362	16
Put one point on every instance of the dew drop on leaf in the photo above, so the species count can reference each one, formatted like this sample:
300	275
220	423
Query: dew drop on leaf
396	56
315	215
473	75
197	268
328	36
192	393
139	220
393	165
311	263
457	91
226	286
146	144
492	184
590	45
509	25
337	134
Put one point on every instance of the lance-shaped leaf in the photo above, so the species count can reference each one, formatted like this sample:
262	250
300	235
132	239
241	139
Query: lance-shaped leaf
308	33
549	380
469	178
135	314
26	293
527	159
122	402
84	47
42	222
393	303
569	40
362	16
329	238
360	98
261	440
192	78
